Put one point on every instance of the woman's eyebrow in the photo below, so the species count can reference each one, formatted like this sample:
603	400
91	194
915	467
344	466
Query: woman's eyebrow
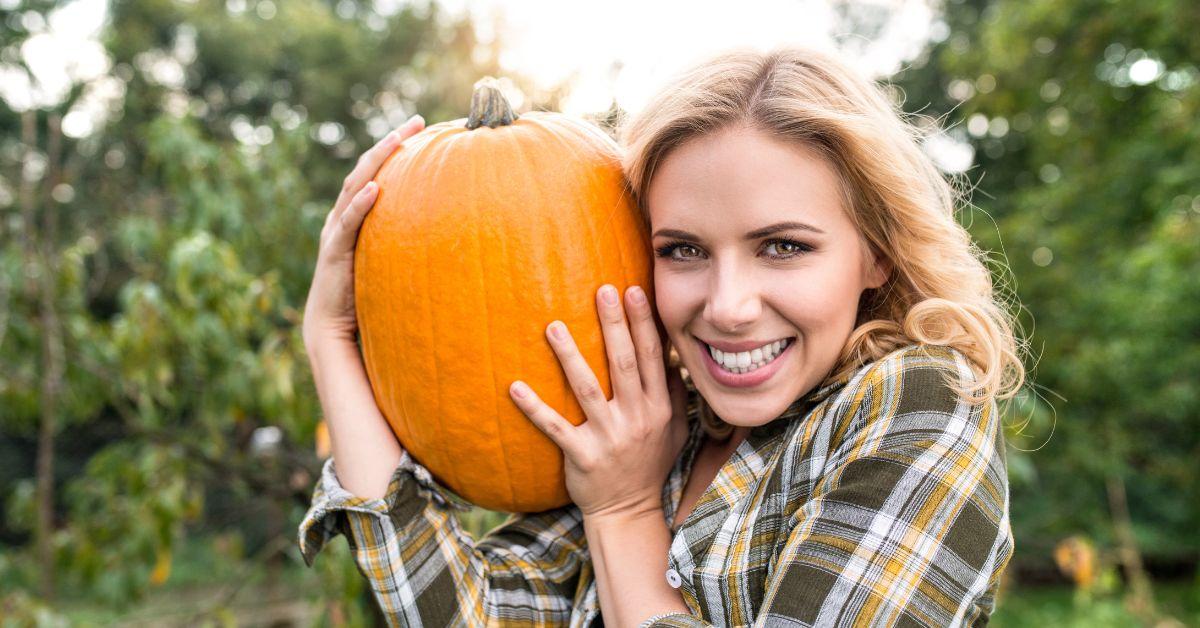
787	225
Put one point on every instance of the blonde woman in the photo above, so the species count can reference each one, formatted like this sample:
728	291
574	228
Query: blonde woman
838	458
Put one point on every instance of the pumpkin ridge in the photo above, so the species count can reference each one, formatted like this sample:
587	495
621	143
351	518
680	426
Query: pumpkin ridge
530	472
606	225
532	183
602	371
410	422
521	361
491	334
440	152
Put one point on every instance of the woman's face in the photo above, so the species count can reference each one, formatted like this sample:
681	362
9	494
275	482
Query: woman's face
758	270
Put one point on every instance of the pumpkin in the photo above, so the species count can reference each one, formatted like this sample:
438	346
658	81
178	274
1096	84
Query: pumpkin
484	231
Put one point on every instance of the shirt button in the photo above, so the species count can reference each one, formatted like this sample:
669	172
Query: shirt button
673	578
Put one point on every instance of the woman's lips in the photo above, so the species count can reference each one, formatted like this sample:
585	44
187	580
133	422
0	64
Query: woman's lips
741	380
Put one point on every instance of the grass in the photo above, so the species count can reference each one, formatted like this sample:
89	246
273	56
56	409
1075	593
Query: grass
1060	606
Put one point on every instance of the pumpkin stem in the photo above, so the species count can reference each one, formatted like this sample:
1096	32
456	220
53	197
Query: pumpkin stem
489	106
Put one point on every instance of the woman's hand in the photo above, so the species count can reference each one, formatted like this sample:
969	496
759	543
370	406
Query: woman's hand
329	310
617	461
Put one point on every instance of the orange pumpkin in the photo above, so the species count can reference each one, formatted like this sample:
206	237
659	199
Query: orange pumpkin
484	231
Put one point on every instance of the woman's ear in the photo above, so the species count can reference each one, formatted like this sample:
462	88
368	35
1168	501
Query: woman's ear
879	269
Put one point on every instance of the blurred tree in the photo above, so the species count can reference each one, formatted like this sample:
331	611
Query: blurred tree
160	257
1083	121
43	315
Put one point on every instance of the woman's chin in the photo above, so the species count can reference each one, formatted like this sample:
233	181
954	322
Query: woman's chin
742	410
748	406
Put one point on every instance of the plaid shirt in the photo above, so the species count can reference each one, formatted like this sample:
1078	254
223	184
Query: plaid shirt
877	499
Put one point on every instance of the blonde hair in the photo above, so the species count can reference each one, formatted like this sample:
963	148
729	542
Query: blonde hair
939	291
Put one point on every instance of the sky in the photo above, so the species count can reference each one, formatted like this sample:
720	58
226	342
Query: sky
626	50
620	53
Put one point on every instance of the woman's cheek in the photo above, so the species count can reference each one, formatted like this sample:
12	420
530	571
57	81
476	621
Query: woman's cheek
821	302
672	297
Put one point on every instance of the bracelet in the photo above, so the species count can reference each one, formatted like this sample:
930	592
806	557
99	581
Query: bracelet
650	620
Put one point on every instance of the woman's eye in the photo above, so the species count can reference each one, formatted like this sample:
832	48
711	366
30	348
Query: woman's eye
678	251
787	248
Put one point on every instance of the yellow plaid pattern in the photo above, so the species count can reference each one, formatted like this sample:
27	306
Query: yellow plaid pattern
877	499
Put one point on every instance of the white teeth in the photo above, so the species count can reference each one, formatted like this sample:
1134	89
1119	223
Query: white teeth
746	361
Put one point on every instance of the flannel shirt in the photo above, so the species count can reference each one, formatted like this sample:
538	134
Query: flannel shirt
879	498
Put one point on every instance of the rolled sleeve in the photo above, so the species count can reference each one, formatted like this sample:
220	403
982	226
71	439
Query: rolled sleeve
333	508
425	569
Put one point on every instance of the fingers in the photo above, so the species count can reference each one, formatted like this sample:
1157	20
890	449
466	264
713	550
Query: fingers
370	161
551	423
622	358
649	345
579	374
345	237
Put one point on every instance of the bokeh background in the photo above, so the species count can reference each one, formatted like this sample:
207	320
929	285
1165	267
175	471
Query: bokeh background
166	166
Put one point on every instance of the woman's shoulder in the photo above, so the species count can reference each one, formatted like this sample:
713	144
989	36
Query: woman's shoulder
916	379
921	357
906	399
914	368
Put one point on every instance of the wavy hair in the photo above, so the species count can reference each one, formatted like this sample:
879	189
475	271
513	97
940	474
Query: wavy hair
940	290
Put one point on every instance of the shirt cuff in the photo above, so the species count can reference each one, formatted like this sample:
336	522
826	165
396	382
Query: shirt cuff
326	516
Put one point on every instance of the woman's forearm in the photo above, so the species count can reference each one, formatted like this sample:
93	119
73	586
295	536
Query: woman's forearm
364	448
629	555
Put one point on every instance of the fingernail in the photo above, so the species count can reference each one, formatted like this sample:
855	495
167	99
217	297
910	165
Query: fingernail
636	294
609	294
519	389
558	330
414	118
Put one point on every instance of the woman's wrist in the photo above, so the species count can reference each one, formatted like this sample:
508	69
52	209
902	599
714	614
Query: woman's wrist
629	554
330	354
318	336
647	511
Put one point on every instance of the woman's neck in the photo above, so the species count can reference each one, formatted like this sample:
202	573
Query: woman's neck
734	440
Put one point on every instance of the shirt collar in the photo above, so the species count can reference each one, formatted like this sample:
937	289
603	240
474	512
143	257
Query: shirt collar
802	405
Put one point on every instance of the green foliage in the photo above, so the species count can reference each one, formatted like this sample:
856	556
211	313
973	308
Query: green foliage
1084	121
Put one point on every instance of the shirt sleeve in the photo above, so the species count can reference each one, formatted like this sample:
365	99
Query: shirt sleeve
425	569
908	523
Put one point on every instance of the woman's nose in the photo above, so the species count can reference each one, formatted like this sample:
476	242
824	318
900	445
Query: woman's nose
733	302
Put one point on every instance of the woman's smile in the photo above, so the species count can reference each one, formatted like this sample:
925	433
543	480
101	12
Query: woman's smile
744	369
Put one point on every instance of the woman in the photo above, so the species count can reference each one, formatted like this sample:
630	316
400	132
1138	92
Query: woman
840	459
